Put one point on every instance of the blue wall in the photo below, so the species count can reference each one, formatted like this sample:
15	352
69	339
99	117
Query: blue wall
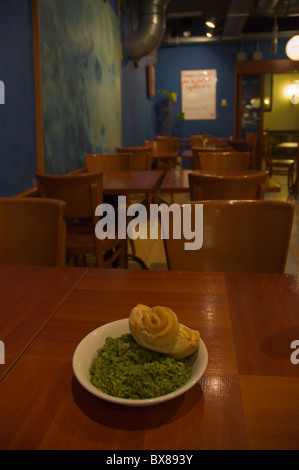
222	57
17	115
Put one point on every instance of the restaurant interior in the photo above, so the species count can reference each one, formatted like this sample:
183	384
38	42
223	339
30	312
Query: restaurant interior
182	105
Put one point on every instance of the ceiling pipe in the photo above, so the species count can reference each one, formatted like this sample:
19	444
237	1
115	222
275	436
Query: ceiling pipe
176	41
150	31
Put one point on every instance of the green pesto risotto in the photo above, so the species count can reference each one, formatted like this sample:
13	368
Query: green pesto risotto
124	369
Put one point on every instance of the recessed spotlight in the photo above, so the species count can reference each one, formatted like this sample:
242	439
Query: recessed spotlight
209	35
210	24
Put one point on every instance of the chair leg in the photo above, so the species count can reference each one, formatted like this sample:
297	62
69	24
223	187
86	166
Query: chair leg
290	180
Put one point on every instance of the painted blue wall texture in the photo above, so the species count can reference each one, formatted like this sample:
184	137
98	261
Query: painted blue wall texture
81	89
17	114
222	57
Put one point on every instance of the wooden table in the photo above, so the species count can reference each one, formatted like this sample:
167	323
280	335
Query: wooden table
170	184
129	182
33	294
248	397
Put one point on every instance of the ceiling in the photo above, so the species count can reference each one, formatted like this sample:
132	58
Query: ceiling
235	19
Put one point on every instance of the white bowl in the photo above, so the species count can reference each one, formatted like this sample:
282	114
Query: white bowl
86	351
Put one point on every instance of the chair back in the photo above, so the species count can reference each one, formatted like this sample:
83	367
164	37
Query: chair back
32	231
196	149
227	186
221	160
166	143
141	158
238	236
265	146
251	143
82	192
96	162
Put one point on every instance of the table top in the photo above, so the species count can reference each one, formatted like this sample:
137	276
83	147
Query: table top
248	397
38	303
287	145
126	182
180	184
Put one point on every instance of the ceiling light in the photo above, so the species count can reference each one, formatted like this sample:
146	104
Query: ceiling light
209	35
292	48
210	24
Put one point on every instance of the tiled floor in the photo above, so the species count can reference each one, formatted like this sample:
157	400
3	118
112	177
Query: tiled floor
152	251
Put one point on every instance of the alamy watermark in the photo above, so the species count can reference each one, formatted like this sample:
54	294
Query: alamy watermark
2	92
295	354
2	353
137	226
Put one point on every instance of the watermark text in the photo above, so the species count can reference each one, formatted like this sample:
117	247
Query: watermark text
295	354
131	221
2	92
2	353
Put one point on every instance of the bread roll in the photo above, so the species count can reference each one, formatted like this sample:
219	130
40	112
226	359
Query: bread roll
158	329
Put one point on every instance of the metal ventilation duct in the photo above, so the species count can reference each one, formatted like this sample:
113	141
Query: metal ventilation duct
150	30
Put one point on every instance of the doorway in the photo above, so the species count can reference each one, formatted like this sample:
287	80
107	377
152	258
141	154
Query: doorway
258	101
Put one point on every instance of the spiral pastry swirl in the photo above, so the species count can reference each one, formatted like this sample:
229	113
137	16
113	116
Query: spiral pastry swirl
158	329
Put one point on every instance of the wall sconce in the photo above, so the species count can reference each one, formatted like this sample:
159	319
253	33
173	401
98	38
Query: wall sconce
293	91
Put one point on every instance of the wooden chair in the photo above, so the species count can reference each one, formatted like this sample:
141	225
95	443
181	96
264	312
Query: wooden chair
32	231
227	186
251	143
277	166
82	194
197	149
237	236
166	143
141	157
111	162
108	162
221	160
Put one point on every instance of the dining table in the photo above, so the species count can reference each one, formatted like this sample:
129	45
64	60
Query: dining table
247	397
178	182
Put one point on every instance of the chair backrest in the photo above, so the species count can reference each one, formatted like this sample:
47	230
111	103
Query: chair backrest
251	143
166	143
32	231
96	162
221	160
265	147
82	192
141	157
227	186
237	236
197	149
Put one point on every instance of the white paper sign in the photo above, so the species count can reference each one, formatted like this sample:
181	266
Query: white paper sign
199	93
